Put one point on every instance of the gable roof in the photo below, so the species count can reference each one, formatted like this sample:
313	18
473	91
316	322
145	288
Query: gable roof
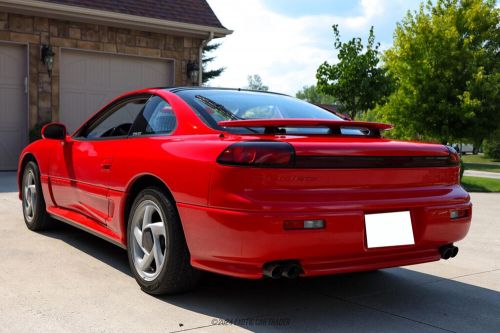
192	17
185	11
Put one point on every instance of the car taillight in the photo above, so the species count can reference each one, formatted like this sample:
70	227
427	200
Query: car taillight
258	154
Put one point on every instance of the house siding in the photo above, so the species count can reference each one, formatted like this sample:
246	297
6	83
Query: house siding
36	31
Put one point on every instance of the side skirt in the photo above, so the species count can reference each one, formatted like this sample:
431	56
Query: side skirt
86	225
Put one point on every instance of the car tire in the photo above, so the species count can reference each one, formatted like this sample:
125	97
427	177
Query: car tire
34	209
158	240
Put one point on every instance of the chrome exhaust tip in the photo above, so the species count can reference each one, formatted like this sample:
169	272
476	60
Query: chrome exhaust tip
274	270
448	251
291	271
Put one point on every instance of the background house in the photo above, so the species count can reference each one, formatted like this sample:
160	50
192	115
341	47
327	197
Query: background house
100	49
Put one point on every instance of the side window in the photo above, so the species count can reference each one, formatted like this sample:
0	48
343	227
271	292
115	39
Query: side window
156	118
117	121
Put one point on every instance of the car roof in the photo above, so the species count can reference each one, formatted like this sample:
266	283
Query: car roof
179	89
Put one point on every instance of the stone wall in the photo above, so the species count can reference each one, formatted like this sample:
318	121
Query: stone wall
44	90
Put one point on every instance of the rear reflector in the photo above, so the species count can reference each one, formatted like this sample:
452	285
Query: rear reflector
258	154
303	224
458	213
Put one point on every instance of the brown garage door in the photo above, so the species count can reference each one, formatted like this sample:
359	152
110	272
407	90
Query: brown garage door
89	80
13	114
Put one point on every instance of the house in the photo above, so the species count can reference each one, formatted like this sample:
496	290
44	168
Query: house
61	60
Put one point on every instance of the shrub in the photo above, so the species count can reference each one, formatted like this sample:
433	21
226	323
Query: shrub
492	146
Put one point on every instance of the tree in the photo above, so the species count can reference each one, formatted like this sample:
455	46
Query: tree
312	95
255	83
206	60
492	146
445	61
356	81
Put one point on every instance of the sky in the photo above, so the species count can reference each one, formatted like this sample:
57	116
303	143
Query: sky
284	41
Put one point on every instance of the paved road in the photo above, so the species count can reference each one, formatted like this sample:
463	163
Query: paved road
68	281
484	174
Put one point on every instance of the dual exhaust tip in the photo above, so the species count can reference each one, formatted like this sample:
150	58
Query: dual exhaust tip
448	251
292	269
285	269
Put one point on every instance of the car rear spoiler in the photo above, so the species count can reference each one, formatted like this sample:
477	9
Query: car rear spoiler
272	126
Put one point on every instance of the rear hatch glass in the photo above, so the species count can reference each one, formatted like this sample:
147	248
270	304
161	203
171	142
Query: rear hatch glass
214	106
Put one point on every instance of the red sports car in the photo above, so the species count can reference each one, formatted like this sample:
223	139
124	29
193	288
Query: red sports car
243	183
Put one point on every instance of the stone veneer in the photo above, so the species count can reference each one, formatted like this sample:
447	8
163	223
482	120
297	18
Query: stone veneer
44	90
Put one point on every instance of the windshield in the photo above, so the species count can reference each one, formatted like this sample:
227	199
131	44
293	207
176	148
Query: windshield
213	106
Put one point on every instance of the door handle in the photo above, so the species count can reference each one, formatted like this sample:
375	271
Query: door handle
106	165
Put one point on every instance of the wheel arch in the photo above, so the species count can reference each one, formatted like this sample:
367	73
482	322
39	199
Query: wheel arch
138	184
28	157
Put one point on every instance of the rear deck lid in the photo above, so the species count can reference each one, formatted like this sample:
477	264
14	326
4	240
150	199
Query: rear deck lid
336	149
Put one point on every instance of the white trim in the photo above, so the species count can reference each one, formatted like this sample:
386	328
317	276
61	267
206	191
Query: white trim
26	49
28	106
115	53
58	11
27	68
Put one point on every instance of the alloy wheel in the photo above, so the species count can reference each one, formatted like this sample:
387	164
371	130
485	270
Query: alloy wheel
149	240
29	197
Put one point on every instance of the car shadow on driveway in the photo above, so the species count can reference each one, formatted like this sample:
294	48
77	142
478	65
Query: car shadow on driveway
390	300
100	249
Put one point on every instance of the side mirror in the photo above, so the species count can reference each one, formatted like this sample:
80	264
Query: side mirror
54	131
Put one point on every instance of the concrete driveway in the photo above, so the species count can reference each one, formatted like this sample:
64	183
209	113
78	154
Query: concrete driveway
66	280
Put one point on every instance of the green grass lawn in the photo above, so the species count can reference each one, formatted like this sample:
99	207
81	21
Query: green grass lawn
477	184
480	163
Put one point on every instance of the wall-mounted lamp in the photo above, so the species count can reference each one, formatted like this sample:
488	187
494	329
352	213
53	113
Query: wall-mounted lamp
47	57
192	71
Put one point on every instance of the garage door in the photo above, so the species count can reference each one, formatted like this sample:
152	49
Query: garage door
13	114
89	80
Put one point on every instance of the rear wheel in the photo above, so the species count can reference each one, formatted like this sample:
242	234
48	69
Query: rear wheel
34	210
157	250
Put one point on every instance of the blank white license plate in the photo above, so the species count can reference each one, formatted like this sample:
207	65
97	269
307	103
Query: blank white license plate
389	229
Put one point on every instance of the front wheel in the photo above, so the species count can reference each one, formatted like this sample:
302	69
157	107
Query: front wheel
157	250
34	210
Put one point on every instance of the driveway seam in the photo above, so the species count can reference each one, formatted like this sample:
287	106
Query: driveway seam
242	326
437	280
191	329
471	274
383	311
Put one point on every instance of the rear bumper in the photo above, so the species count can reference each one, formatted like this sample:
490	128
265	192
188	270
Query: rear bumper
239	243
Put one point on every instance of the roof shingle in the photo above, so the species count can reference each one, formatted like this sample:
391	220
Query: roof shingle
185	11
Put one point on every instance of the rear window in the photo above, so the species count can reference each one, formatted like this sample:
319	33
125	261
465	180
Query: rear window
213	106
